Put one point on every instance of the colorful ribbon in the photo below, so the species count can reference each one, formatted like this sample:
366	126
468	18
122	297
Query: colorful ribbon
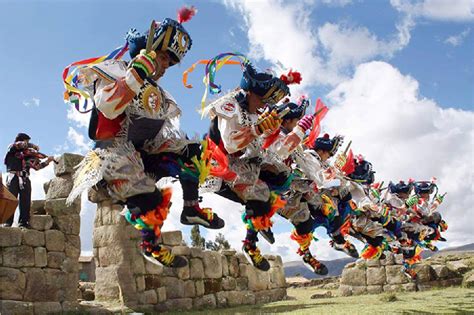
73	93
212	66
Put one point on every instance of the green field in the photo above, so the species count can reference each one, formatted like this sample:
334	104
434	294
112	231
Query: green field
438	301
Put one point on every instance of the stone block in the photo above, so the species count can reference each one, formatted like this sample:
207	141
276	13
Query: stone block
212	264
20	256
235	298
111	214
189	289
59	206
153	269
44	308
150	297
278	294
161	294
43	285
41	222
37	207
263	297
278	262
199	287
174	287
184	304
212	285
242	284
277	277
56	259
424	273
392	288
68	224
229	284
354	276
196	268
108	280
70	265
72	247
233	265
109	234
388	260
10	236
181	250
66	164
345	290
225	266
55	240
13	283
98	195
205	302
442	271
395	275
468	280
376	276
398	259
140	283
41	257
374	289
33	238
152	282
172	238
71	307
59	187
242	259
409	287
457	266
373	263
16	307
46	186
228	252
359	290
257	280
88	295
221	299
183	273
196	252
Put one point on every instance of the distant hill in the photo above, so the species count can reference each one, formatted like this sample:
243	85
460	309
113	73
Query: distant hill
294	268
297	268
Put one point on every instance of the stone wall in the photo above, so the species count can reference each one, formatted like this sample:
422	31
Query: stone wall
211	279
38	266
386	275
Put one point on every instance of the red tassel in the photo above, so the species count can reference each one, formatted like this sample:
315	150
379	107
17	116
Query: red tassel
186	13
291	78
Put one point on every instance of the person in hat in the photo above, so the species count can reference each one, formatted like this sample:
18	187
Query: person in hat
137	141
318	190
398	204
240	120
363	225
21	157
278	171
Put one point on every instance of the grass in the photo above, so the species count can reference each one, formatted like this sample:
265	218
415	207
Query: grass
438	301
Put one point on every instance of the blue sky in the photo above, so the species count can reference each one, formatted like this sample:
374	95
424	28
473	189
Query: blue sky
39	38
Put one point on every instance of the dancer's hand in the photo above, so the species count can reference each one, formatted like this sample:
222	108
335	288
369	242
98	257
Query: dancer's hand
144	64
268	121
306	122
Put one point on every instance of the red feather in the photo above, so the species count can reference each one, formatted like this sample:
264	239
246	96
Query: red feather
349	167
271	139
186	13
321	109
291	78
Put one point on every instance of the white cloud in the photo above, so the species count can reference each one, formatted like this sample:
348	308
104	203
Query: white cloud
78	141
444	10
405	135
34	101
79	119
326	55
348	46
456	40
336	3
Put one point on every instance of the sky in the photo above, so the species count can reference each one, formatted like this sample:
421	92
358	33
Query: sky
398	77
